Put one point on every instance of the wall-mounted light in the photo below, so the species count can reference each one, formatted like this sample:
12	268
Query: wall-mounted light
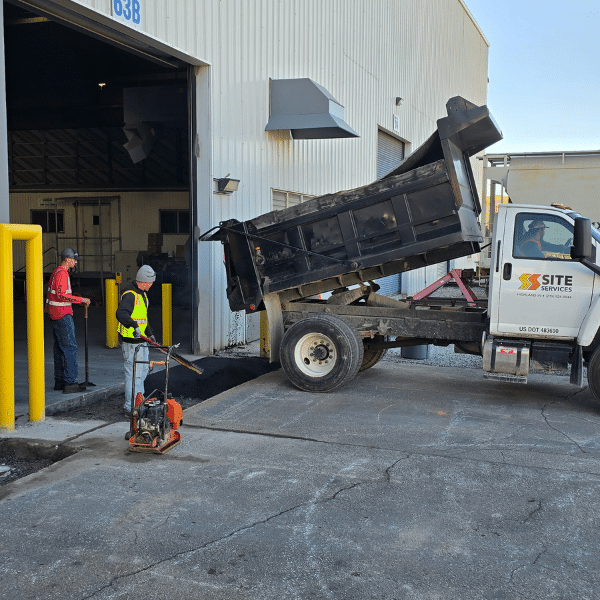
398	101
226	185
101	85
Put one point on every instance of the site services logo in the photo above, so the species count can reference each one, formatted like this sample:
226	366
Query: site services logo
548	283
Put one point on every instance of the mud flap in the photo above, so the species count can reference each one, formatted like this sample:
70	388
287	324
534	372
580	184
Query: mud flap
577	367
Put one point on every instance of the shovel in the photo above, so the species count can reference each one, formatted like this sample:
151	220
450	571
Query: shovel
174	356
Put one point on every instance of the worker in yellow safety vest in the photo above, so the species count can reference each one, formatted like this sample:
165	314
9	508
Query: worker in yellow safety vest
132	317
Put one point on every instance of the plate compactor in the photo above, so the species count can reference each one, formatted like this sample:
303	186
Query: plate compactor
155	419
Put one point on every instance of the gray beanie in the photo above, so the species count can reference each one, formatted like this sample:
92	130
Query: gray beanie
145	274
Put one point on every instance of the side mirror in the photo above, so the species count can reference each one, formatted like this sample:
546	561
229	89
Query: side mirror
582	239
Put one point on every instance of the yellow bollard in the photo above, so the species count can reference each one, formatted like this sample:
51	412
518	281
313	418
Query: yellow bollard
264	335
7	364
111	303
35	328
167	315
32	234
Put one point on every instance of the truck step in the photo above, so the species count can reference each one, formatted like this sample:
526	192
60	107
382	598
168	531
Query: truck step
505	377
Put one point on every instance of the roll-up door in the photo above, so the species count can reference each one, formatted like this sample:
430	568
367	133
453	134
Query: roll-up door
390	153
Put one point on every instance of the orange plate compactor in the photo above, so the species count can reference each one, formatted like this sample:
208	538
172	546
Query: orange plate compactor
155	419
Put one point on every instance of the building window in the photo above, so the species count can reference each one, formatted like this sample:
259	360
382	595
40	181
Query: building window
51	221
175	221
282	199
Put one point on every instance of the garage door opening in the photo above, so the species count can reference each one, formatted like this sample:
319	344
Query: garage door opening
98	145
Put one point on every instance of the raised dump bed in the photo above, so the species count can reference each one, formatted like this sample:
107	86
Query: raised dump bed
421	213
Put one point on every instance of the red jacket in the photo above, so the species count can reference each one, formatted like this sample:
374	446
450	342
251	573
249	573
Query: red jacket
58	296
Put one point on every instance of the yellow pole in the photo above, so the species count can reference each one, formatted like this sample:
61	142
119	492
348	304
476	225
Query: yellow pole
35	327
35	323
112	303
264	334
167	315
7	345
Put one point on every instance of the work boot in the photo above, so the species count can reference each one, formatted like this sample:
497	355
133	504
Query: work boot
72	388
58	386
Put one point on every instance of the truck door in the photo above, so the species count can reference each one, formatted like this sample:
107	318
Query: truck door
539	291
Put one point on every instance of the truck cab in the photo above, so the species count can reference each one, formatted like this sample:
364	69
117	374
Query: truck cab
537	290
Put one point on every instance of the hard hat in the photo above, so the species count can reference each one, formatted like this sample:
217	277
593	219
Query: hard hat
145	274
537	225
69	253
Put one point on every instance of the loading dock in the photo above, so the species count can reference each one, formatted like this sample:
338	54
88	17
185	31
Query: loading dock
98	149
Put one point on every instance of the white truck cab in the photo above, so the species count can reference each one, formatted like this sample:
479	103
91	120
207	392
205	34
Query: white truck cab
537	290
544	295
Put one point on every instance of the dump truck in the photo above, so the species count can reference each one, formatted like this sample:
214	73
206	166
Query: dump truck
542	308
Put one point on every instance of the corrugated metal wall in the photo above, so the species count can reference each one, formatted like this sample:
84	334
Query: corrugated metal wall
364	52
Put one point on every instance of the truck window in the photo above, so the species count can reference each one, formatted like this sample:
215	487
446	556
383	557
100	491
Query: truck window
542	236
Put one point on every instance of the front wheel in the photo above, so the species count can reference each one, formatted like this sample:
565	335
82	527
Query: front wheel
321	353
593	374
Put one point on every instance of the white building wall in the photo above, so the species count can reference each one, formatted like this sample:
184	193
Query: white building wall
364	52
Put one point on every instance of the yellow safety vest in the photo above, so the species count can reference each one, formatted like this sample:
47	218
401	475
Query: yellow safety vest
139	315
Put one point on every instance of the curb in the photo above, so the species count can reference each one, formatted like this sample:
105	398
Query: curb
84	399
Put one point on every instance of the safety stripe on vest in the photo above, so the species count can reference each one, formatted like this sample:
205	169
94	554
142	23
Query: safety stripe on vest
52	303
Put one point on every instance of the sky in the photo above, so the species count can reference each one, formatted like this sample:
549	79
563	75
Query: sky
544	73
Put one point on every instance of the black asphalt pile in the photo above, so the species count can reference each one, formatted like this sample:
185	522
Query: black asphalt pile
12	467
19	458
219	374
188	388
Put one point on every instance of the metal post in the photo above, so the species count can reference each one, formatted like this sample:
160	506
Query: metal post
35	323
4	176
7	374
111	303
167	315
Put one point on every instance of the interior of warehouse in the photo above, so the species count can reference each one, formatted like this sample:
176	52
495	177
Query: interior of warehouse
98	154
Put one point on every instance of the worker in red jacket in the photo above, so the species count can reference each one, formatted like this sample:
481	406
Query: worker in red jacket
58	307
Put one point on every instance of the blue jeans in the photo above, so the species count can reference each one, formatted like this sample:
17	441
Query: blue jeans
141	370
66	369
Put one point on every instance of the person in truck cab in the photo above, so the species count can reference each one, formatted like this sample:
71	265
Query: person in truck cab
534	245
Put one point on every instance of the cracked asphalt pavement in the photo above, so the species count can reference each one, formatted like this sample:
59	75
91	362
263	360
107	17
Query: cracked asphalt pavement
413	482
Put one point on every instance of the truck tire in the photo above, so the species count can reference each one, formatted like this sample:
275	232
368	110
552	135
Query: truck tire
593	374
321	353
372	356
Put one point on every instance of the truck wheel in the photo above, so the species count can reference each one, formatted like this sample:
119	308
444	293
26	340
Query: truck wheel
593	374
372	356
320	353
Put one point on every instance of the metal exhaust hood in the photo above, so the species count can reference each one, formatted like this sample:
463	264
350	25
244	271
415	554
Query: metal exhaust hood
308	110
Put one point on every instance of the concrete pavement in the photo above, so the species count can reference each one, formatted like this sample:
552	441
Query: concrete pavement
412	482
